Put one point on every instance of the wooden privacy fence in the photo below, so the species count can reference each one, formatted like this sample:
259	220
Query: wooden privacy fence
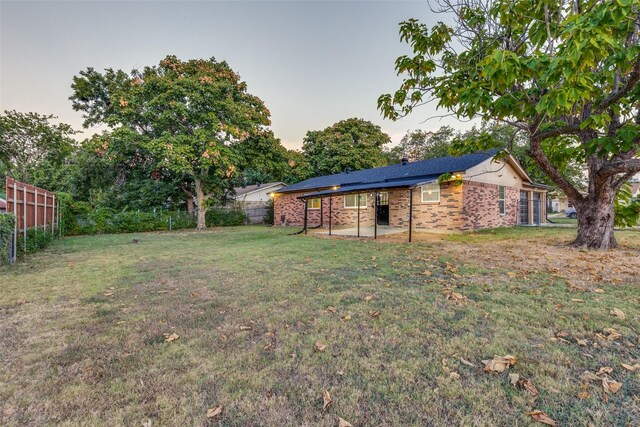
33	207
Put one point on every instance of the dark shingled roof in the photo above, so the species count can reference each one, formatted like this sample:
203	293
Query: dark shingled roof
411	171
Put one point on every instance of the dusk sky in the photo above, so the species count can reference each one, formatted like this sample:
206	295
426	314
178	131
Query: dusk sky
312	63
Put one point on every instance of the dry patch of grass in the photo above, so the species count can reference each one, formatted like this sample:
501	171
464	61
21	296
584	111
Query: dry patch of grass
406	328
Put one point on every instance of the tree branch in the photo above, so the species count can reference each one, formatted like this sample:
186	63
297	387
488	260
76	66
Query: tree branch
542	160
620	166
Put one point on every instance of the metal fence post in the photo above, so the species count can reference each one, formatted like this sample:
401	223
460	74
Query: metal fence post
15	221
53	217
24	217
35	208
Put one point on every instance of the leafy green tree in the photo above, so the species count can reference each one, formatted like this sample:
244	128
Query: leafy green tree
261	158
349	144
28	140
299	167
185	115
513	139
565	72
421	145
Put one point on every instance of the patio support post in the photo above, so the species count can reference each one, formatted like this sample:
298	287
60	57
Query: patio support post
410	211
321	212
330	203
358	203
375	215
306	205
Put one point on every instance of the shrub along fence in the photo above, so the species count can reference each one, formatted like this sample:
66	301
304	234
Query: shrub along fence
82	220
36	217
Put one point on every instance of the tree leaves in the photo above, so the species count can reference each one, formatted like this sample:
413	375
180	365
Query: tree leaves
214	412
498	363
618	313
318	346
171	337
542	417
326	399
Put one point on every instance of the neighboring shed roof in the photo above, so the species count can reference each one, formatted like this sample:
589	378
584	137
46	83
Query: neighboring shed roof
414	170
241	191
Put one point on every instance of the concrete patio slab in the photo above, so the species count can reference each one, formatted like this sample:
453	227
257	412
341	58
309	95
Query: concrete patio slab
383	230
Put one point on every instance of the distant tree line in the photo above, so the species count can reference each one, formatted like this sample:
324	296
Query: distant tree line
185	133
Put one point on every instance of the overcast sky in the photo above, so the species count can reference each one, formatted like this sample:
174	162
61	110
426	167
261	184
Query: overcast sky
312	63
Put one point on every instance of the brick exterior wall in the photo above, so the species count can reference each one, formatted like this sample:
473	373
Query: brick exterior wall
289	210
445	215
471	206
481	209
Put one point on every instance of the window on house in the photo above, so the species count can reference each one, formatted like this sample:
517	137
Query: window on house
350	200
501	200
314	203
430	193
383	199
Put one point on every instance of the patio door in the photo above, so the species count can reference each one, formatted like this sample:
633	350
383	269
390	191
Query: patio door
382	212
524	207
536	208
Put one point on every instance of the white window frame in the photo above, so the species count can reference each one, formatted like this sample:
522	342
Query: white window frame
357	198
310	203
502	207
424	190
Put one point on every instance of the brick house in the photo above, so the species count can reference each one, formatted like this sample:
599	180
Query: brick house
483	190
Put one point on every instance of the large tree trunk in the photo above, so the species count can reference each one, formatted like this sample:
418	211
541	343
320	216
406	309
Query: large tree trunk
190	207
202	208
595	210
595	223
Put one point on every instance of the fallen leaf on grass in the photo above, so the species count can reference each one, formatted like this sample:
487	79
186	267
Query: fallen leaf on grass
332	309
454	375
108	294
171	337
426	273
318	346
344	423
455	297
214	412
581	342
604	370
618	313
466	362
631	368
577	300
543	418
590	376
374	313
610	386
528	385
598	291
583	395
345	317
326	397
610	334
514	378
245	328
499	363
368	298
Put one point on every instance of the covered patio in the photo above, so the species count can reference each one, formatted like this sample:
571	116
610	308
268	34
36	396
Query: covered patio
360	230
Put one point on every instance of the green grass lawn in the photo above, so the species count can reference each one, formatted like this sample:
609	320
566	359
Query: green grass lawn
83	330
